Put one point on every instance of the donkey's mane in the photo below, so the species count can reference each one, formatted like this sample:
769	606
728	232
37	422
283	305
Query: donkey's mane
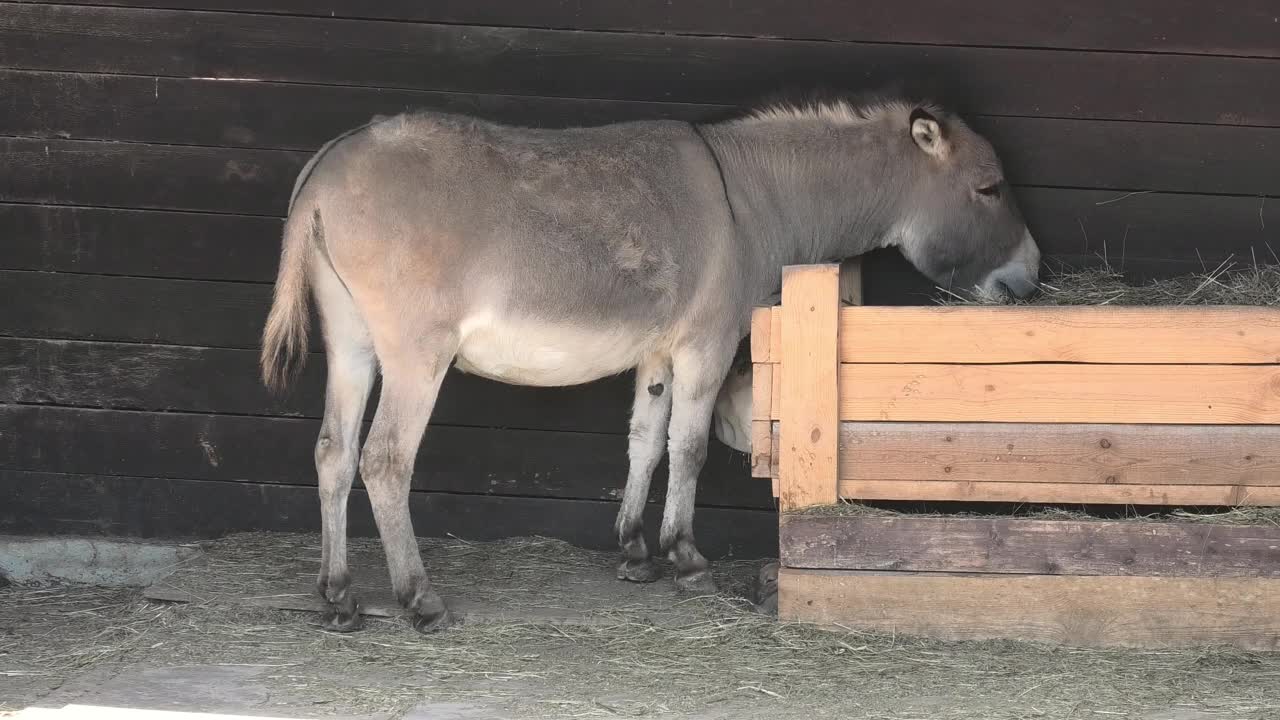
837	106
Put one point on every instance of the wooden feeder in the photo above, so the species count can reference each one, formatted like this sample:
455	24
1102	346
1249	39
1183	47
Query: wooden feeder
1165	406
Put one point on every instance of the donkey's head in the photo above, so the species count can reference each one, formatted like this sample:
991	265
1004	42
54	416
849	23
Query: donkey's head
957	219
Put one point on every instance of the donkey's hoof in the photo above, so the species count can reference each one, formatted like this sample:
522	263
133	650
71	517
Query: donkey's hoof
639	571
698	582
434	622
336	620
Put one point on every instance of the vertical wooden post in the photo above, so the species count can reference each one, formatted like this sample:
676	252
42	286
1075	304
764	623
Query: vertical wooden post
808	407
761	394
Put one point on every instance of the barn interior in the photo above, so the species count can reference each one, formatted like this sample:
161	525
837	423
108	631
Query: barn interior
159	508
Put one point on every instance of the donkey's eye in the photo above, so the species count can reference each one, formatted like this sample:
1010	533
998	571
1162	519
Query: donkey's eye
991	191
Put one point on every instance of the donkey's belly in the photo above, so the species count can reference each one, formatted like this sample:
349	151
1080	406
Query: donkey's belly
523	353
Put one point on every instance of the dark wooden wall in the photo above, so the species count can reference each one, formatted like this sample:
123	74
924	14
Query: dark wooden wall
149	147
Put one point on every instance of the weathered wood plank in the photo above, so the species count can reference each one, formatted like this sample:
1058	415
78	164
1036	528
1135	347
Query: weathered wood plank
133	376
1093	611
1061	393
271	115
657	67
808	440
1062	453
1040	492
74	172
44	503
188	111
108	241
177	312
493	461
1021	545
1139	335
1181	26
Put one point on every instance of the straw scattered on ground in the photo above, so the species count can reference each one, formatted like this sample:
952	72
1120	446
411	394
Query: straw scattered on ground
724	660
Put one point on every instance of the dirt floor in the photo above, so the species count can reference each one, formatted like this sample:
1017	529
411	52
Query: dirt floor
548	633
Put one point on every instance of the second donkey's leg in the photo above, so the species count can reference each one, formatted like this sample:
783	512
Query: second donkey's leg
697	377
410	383
650	413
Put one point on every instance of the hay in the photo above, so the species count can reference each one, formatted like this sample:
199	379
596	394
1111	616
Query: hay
1229	283
1231	516
717	659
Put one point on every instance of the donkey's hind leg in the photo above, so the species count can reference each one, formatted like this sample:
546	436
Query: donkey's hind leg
650	413
349	352
698	376
411	378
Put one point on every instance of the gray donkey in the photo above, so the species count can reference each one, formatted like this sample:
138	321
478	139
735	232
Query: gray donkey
557	257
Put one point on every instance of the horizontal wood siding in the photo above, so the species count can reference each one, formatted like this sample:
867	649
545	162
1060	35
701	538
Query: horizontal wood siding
1183	335
1152	612
151	146
168	507
1058	393
1059	453
1183	26
1026	546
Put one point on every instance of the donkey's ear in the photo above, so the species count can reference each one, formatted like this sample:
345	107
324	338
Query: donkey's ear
927	132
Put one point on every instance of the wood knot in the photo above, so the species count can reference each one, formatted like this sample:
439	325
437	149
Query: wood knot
1105	444
1111	479
946	439
991	388
816	435
946	469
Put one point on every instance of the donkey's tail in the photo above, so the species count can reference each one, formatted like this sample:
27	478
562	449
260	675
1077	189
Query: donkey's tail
284	339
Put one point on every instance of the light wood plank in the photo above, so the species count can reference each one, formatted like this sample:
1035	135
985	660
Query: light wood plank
761	391
1023	545
1061	453
1090	611
761	334
1031	492
1103	334
1059	393
1145	335
809	435
763	459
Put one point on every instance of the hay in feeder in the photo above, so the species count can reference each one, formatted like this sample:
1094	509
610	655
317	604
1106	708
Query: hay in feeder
1255	284
1250	515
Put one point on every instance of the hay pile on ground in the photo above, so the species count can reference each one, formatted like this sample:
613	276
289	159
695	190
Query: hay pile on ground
716	659
1230	283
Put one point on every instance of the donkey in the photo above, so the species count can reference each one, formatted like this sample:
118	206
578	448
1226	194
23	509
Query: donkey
558	257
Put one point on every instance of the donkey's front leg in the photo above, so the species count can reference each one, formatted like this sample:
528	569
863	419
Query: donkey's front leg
650	412
698	375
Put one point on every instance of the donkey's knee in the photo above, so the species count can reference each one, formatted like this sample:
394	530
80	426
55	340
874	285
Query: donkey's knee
335	466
